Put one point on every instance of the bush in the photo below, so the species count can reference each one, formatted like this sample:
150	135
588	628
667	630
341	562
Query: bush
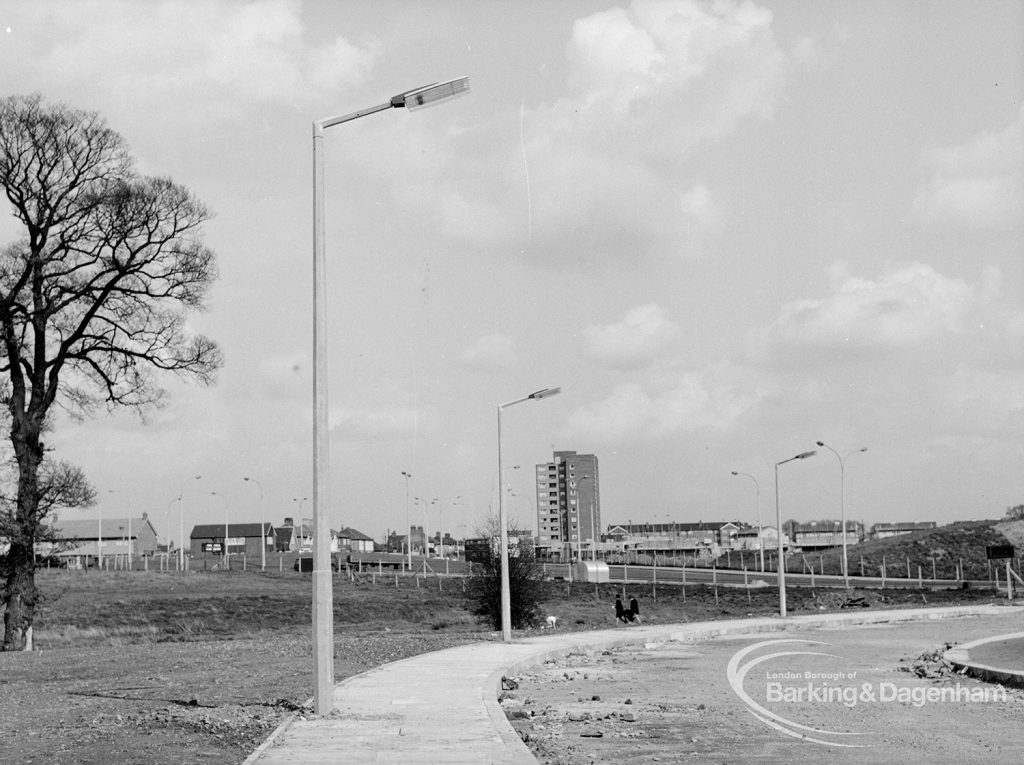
526	589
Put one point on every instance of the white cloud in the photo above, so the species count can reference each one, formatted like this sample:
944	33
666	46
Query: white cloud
495	351
702	213
717	397
603	166
220	58
639	338
979	183
905	306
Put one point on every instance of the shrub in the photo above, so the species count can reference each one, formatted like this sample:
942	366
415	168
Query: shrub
526	589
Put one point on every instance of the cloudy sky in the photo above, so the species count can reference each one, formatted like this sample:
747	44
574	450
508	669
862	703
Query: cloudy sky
726	230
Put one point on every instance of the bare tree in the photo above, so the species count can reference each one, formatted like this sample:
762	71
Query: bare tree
93	299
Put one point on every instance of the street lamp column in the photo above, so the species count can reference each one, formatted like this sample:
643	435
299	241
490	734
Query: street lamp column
408	526
227	534
181	521
263	528
760	528
842	500
506	595
781	567
128	547
323	609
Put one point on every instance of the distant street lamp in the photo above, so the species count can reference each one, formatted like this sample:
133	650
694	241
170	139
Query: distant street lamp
129	547
778	519
426	537
323	608
579	516
263	528
760	540
227	560
408	525
181	519
297	527
842	499
506	595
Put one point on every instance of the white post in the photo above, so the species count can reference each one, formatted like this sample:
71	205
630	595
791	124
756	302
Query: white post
323	613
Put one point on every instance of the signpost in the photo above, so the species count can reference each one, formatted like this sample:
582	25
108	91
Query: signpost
1000	552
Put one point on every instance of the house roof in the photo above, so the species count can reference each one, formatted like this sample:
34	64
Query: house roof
109	528
905	526
823	527
212	530
350	533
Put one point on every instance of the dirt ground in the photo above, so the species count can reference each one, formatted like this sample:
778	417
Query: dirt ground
159	703
674	703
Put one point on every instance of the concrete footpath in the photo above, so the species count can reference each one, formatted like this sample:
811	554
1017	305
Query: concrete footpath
443	706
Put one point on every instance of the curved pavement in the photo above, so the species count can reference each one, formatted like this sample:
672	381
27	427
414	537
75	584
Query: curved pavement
998	659
443	706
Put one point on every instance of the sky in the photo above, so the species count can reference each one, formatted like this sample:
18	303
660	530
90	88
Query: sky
726	231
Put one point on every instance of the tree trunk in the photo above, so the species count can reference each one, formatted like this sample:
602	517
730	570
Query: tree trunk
21	597
20	592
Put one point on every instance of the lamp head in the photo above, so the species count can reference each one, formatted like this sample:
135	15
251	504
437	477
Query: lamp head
428	95
805	455
544	393
820	443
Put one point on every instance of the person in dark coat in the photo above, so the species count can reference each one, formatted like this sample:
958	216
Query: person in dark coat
620	611
634	610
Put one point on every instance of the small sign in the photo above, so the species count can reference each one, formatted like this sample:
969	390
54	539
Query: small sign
995	552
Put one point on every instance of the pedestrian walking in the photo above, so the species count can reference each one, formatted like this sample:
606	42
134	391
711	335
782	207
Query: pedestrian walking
634	610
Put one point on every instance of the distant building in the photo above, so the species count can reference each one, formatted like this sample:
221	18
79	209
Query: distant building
350	540
687	535
82	541
568	505
243	539
823	535
752	539
885	530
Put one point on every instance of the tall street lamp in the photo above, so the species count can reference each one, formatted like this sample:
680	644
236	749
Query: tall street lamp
760	531
579	516
426	537
181	520
227	560
842	500
778	519
129	546
263	528
506	595
297	527
323	614
408	524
